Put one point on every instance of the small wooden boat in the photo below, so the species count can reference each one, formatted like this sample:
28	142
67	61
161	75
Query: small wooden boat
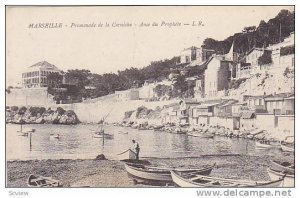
54	136
201	135
265	145
286	148
127	155
123	132
40	181
160	174
24	134
282	166
289	179
102	135
29	130
196	180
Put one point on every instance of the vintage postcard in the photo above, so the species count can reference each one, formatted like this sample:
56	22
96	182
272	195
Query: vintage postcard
150	96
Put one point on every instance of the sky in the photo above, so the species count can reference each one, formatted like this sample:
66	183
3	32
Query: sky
109	49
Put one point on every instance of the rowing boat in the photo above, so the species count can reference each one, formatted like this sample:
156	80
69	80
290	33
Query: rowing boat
102	135
40	181
196	180
282	166
160	174
54	136
289	179
127	155
287	148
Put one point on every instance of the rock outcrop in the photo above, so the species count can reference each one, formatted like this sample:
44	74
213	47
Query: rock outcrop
39	115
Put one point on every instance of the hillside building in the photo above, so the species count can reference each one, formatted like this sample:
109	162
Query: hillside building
35	76
217	75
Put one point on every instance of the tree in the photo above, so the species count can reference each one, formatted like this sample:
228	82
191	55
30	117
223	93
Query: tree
54	80
78	77
265	58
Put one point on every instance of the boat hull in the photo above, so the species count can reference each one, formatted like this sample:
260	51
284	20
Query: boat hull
201	135
185	182
278	167
289	180
159	174
287	149
259	145
127	155
164	176
102	135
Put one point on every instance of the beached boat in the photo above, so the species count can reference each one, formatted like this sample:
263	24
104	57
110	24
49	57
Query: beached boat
160	174
196	180
282	166
266	145
40	181
286	148
201	135
289	179
127	155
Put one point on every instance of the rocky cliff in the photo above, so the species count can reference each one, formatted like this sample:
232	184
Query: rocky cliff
39	115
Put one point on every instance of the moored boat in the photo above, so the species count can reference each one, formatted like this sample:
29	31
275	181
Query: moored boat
54	136
196	180
40	181
160	174
289	179
282	166
127	155
201	135
265	145
102	135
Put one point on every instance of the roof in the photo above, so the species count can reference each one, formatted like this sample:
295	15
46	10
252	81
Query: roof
171	105
280	96
44	64
192	48
248	115
204	106
189	101
227	103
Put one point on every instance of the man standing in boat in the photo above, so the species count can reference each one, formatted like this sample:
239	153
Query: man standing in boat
136	148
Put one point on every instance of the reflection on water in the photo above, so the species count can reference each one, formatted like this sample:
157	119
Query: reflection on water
76	142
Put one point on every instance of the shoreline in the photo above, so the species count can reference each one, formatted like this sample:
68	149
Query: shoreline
111	173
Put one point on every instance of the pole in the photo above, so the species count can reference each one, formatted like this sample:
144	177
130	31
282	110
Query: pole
30	144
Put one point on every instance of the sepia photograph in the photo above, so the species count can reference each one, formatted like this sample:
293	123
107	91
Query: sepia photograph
150	96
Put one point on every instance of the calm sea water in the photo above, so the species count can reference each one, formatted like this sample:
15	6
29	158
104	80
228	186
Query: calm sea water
76	142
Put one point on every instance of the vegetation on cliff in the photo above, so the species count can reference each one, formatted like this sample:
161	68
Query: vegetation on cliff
39	115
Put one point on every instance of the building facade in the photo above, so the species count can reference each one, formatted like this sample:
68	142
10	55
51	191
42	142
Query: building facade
217	76
195	54
35	76
127	95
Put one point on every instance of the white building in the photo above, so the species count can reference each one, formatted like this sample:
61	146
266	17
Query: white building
127	95
217	76
195	54
36	75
